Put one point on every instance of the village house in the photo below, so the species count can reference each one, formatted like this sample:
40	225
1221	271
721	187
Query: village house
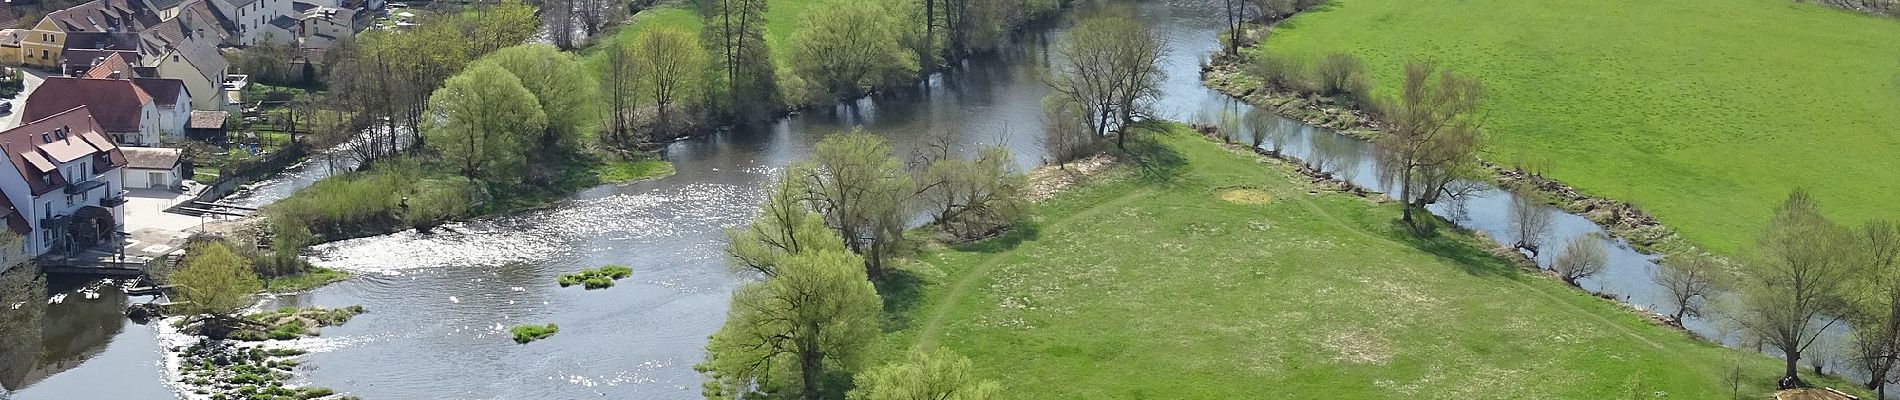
153	167
201	67
121	107
63	180
44	45
253	19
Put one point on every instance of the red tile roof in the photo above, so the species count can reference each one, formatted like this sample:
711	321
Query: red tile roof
65	136
115	103
114	63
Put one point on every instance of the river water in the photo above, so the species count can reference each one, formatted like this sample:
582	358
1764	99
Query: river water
440	304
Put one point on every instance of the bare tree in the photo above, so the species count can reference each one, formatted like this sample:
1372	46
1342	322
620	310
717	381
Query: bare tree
558	18
1530	222
1236	11
1065	129
1791	287
1111	71
1582	257
1434	135
1688	280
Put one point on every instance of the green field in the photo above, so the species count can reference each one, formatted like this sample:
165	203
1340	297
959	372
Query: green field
1705	112
1220	276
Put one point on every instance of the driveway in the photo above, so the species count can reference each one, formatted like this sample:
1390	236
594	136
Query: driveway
12	118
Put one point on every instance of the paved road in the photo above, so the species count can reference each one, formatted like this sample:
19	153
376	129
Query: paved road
11	119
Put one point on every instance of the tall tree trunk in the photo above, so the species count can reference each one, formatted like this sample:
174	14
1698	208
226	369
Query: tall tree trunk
1793	367
811	364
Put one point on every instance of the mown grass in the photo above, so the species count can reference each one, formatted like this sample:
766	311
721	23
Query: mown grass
1146	284
1705	112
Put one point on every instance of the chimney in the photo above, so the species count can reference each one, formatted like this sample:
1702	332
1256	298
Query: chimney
117	74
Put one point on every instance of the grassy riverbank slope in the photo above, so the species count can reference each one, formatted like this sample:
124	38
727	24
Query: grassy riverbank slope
1219	276
1705	112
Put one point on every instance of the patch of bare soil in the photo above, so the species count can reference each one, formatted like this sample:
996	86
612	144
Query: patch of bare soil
1048	180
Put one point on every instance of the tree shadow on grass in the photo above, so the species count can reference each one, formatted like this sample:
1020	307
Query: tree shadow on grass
903	292
1440	238
1154	162
1023	232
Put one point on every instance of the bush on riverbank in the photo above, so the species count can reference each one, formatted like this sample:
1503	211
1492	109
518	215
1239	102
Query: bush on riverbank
529	333
596	278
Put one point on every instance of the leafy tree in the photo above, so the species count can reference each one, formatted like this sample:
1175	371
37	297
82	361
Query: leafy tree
668	60
1876	321
1433	135
1529	221
925	375
561	85
619	86
790	333
1791	287
848	47
1111	70
215	284
861	189
480	121
1689	281
1582	257
734	34
785	227
971	198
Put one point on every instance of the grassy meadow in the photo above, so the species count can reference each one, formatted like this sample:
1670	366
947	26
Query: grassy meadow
1705	112
1213	274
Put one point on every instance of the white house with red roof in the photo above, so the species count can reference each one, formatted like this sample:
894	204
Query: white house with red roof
136	112
62	182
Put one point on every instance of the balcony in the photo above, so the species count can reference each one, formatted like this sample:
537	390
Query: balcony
113	200
83	187
57	221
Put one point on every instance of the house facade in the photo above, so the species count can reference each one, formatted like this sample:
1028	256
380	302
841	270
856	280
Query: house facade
202	69
63	177
253	18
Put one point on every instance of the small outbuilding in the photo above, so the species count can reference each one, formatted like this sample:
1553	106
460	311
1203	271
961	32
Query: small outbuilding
153	167
206	126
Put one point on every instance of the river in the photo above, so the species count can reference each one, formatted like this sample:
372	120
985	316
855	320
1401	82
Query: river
440	304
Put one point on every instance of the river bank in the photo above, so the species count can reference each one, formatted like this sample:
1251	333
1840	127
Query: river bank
1625	219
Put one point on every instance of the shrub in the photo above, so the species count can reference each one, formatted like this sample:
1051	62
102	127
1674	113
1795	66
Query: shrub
528	333
599	282
1341	74
1282	73
372	201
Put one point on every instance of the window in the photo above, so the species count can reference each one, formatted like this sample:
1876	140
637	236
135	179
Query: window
69	200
